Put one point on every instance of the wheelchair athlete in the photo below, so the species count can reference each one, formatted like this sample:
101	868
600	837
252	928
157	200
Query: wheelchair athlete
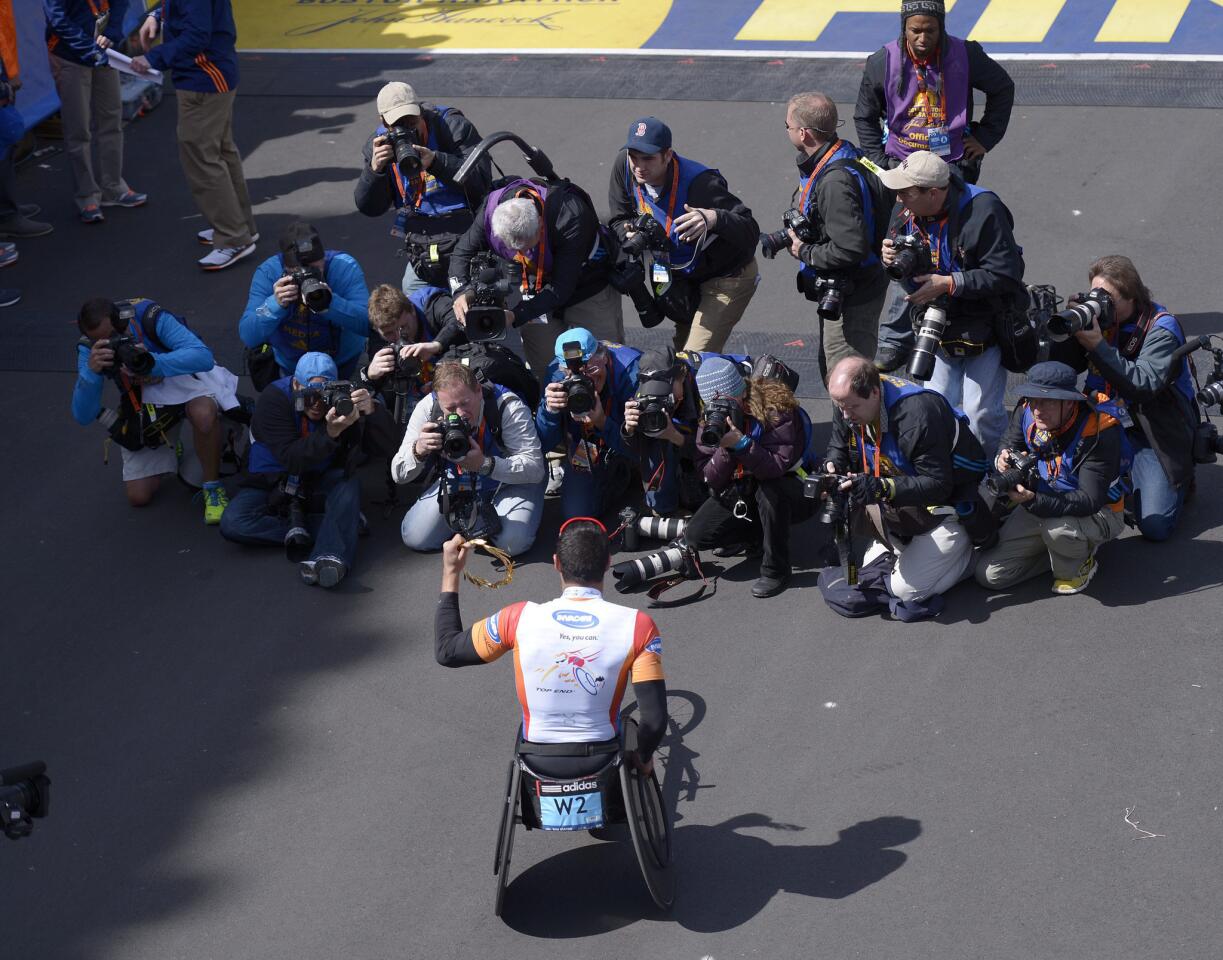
573	657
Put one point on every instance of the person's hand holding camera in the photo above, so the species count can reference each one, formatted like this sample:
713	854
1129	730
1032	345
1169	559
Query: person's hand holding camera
1003	460
556	400
1090	336
286	291
363	401
460	310
1020	494
425	154
430	440
474	459
865	489
382	364
632	417
932	286
382	154
101	356
732	436
421	351
337	423
888	253
796	245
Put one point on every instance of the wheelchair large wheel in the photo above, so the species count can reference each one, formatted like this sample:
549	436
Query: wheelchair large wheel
649	825
505	835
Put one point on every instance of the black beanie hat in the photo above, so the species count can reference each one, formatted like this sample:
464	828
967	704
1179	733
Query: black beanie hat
923	8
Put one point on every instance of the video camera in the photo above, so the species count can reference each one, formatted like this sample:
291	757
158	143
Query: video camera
334	395
402	140
1082	311
713	420
312	288
25	793
486	298
929	336
1023	472
912	257
580	394
793	219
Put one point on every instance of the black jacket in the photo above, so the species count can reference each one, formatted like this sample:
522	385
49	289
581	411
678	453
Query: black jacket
1097	465
374	193
984	74
843	237
736	232
990	279
277	425
572	226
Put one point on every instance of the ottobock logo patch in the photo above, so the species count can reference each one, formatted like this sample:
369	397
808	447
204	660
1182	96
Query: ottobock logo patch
576	619
491	626
655	646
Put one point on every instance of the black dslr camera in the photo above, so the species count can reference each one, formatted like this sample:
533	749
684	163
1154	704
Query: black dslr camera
486	299
1023	472
25	793
402	140
835	507
912	257
129	352
713	420
580	395
656	404
467	513
312	288
829	291
456	436
1083	309
648	234
407	371
793	219
333	394
628	275
1206	440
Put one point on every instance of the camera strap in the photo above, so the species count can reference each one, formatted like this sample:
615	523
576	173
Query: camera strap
815	174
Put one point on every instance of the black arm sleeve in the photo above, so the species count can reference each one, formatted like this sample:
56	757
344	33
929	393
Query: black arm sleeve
924	428
838	443
452	645
373	191
652	707
735	225
869	111
464	140
379	434
991	78
621	205
848	236
471	243
571	225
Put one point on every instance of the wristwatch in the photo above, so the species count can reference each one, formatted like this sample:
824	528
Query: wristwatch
486	468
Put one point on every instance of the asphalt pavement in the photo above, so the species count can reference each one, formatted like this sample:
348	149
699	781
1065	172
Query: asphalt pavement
247	767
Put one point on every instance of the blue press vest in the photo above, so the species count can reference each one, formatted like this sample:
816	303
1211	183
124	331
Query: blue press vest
301	325
678	253
621	381
439	197
939	233
261	457
892	391
1183	383
847	151
1058	473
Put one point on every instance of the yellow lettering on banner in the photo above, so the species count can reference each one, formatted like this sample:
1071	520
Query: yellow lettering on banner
1016	21
805	20
1141	21
438	24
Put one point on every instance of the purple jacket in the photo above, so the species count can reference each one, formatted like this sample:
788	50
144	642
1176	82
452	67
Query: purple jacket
776	451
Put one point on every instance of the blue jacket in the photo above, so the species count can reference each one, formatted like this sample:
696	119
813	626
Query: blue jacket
341	330
70	27
197	45
185	354
619	389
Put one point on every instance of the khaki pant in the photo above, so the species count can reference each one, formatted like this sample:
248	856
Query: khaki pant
213	166
601	314
89	98
723	300
856	333
1029	546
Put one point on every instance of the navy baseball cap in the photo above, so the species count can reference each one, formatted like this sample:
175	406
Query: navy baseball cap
648	135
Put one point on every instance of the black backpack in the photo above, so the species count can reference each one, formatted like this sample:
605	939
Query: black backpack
493	363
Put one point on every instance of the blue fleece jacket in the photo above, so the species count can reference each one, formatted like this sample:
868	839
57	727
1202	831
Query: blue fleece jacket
71	24
341	330
197	45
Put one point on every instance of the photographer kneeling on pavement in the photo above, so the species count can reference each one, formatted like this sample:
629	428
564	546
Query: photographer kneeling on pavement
409	163
589	384
301	489
1127	342
304	299
164	372
752	444
481	444
915	498
1062	465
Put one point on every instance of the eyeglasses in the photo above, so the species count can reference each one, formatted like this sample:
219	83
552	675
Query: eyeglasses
788	127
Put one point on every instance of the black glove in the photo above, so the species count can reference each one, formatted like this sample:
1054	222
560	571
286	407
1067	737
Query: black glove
865	489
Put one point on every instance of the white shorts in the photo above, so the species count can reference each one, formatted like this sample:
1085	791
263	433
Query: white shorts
138	464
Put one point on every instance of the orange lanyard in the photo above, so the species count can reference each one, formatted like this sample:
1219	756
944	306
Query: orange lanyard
420	180
924	85
802	200
98	11
643	207
934	247
866	467
541	254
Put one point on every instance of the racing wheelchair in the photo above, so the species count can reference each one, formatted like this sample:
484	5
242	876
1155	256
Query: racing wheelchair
614	793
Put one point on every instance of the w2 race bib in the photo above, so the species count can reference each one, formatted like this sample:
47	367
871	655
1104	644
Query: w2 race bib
570	806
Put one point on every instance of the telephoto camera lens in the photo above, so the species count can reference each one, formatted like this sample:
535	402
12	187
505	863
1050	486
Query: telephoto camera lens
298	540
772	244
662	528
1094	308
929	336
912	258
129	354
632	573
1020	473
1211	394
315	294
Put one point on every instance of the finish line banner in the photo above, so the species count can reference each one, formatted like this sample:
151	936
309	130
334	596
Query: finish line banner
1181	29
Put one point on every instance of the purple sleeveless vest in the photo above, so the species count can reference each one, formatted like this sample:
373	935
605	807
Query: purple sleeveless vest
494	198
954	67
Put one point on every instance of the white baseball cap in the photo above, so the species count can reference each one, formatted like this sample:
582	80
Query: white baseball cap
397	100
918	169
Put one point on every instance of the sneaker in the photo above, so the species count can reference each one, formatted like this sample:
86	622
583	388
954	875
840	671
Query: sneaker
9	297
92	214
205	237
8	254
309	572
1077	583
129	199
556	477
331	571
216	499
222	257
22	228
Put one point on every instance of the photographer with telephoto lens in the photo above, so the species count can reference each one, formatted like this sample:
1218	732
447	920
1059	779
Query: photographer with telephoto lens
409	163
839	215
589	384
164	373
1071	503
912	468
304	299
954	249
699	264
1129	345
310	432
752	444
476	448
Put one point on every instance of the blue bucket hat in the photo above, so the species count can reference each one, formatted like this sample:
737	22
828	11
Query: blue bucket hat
312	365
